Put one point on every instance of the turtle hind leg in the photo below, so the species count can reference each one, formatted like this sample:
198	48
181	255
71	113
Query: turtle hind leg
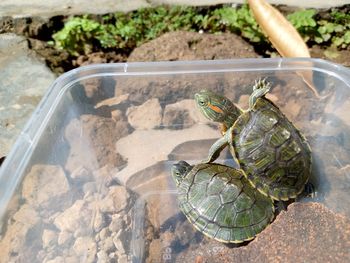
309	190
281	205
260	88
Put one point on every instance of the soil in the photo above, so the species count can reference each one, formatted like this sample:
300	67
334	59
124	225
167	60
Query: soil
39	30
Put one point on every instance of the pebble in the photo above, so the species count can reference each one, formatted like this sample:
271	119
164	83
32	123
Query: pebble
146	116
49	238
40	185
64	237
115	201
85	247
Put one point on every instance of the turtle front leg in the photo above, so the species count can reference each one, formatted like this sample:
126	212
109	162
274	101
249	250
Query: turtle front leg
260	88
217	147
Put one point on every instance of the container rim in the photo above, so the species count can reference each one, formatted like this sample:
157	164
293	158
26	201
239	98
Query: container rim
12	169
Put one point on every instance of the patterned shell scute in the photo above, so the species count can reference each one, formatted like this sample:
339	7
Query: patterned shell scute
222	204
272	152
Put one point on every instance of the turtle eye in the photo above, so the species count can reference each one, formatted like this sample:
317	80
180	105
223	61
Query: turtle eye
202	103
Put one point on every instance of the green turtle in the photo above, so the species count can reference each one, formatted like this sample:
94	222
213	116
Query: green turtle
271	151
220	202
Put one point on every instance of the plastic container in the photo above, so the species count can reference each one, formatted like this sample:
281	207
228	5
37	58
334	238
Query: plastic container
88	180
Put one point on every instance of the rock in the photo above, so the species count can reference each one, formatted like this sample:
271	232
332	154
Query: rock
99	221
91	140
159	205
89	188
49	238
105	177
81	174
26	215
119	245
306	232
68	259
182	114
64	237
293	107
115	201
23	81
180	45
123	259
104	233
116	224
102	257
108	244
146	116
40	187
76	217
14	243
139	147
160	250
85	248
339	107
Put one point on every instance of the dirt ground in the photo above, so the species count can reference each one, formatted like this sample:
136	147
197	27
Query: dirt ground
39	30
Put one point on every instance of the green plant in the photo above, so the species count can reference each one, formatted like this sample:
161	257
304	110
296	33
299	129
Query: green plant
240	20
77	35
84	34
333	32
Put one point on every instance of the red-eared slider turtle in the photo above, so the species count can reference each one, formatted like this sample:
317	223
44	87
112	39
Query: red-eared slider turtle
270	150
220	202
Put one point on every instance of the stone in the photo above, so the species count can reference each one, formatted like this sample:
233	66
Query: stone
81	174
339	107
108	244
119	245
156	181
76	217
40	187
89	188
91	139
27	215
64	237
123	259
115	201
13	242
99	221
104	233
102	257
116	224
49	238
24	79
155	251
180	45
182	114
85	248
146	116
306	232
141	153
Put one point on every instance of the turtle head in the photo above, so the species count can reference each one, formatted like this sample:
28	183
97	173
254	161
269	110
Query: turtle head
180	170
217	108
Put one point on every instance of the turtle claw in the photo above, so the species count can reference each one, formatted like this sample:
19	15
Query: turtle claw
310	190
260	88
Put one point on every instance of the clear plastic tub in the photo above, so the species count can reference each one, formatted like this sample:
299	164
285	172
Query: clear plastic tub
88	180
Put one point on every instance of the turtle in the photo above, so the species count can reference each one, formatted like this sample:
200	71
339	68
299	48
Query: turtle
220	202
272	152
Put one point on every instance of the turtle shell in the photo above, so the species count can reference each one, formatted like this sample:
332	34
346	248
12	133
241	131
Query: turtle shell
222	204
272	152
